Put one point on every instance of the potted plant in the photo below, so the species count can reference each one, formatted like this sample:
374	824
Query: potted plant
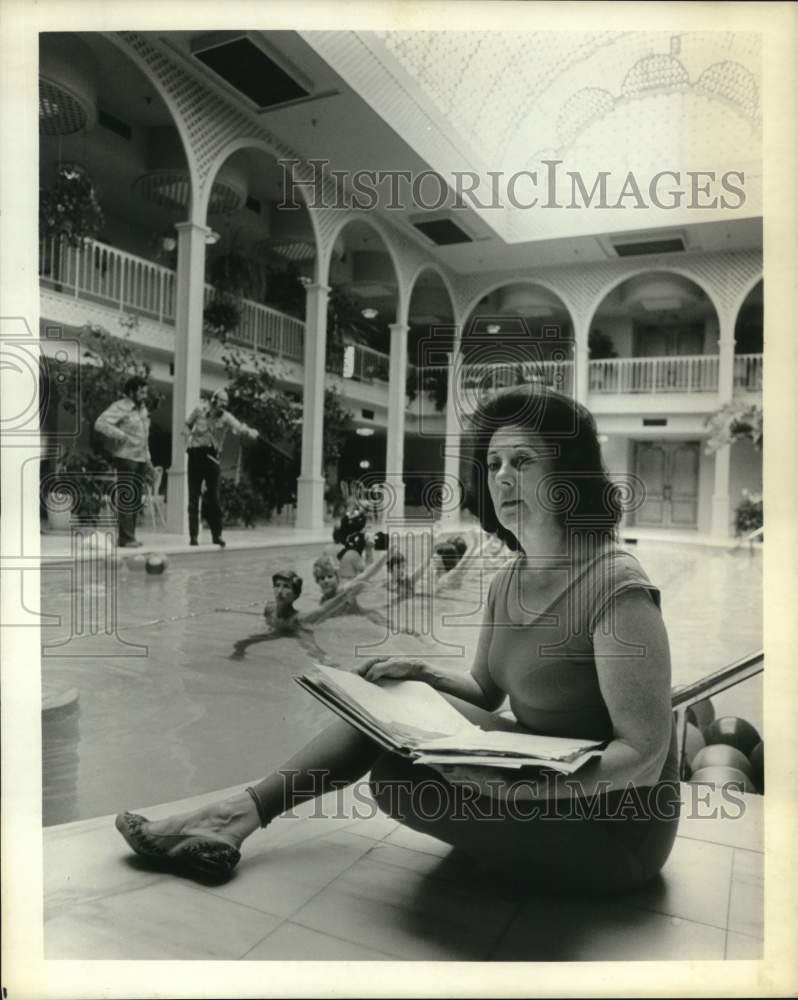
83	474
222	315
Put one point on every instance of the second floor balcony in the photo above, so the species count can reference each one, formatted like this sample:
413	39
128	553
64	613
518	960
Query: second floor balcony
135	287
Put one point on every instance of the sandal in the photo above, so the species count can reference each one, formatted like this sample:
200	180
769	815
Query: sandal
190	852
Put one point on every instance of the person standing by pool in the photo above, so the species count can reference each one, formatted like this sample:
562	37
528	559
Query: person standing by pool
572	634
125	425
207	425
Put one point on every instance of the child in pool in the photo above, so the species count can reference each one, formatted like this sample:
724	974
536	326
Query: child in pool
398	580
282	617
327	578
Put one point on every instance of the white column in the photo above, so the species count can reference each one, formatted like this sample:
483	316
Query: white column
721	513
454	430
189	304
397	404
581	358
310	485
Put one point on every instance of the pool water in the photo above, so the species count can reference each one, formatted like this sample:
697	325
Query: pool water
176	716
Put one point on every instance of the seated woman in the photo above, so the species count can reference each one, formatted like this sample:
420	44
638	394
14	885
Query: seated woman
572	635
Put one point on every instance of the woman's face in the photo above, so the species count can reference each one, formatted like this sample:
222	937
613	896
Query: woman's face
283	592
515	468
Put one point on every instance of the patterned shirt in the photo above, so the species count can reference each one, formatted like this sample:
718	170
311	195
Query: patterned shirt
207	430
127	427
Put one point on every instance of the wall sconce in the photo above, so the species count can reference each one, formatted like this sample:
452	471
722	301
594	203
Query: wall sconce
493	328
369	313
365	432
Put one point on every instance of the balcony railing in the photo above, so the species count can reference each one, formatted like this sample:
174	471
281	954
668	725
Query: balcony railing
478	379
104	274
689	373
747	372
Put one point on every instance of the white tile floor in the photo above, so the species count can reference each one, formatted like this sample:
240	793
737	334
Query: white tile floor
338	887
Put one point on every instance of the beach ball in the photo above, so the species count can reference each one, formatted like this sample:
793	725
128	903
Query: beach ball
757	759
156	564
736	732
693	741
702	713
720	776
722	755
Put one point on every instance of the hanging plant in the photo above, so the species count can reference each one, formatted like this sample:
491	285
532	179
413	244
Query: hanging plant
69	208
733	421
222	315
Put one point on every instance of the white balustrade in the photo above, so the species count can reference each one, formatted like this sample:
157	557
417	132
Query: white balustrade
748	373
481	380
688	373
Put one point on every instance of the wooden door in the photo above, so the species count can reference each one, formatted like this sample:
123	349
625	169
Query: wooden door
669	470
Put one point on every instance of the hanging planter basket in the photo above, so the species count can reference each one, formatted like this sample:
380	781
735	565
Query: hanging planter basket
69	208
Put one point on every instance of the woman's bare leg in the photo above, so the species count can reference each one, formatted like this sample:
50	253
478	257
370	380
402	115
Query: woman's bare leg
335	758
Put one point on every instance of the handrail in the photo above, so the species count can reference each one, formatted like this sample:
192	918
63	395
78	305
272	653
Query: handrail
688	694
726	677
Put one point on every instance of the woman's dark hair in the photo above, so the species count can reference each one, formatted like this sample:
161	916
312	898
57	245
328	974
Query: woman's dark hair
353	521
578	492
133	384
294	580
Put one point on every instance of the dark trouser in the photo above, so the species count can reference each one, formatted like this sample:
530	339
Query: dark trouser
128	497
203	465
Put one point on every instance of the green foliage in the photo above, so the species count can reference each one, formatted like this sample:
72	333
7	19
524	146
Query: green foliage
237	275
108	362
748	513
272	468
600	345
240	503
83	479
69	208
735	420
222	315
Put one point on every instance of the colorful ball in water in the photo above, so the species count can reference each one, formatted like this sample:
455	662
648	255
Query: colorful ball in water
156	565
720	776
702	713
733	731
722	755
757	759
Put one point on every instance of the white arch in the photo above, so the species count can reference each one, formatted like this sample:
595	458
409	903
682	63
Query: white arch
376	225
174	111
250	142
430	266
740	302
666	269
516	280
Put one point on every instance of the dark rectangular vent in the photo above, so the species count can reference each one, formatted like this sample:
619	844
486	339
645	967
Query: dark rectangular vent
114	124
247	68
444	232
253	204
367	414
655	421
673	244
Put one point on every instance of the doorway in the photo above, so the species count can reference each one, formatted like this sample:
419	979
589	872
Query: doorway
669	470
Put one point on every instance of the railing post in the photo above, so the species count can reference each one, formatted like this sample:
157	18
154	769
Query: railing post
78	255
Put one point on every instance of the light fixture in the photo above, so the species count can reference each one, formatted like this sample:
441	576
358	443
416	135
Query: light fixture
369	313
493	328
365	432
364	464
212	237
305	280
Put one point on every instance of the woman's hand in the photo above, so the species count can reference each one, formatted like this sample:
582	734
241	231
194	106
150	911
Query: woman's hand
495	782
394	668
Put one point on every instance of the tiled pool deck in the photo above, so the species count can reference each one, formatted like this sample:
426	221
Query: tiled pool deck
334	887
337	887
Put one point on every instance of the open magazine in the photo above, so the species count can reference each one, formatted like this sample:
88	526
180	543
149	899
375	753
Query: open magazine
411	718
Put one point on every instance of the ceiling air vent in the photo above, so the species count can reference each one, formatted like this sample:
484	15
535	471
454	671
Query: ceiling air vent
443	232
640	248
246	67
114	124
